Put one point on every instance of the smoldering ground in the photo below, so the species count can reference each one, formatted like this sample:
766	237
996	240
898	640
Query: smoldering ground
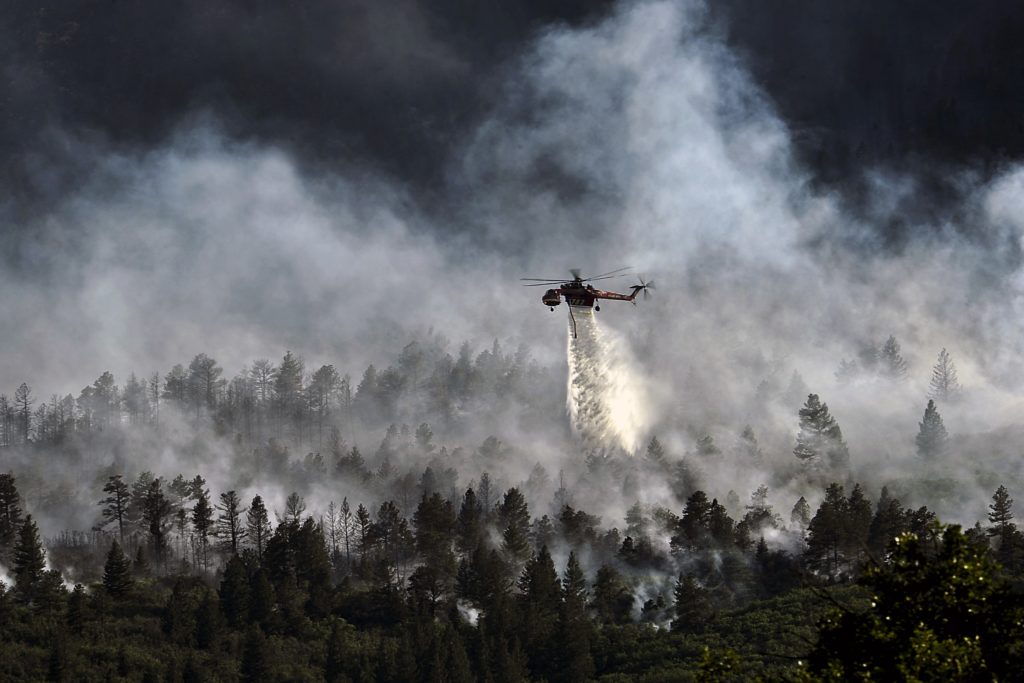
638	139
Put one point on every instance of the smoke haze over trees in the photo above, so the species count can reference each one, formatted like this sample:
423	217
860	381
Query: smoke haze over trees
261	302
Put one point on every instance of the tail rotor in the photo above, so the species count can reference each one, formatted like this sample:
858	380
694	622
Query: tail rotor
645	287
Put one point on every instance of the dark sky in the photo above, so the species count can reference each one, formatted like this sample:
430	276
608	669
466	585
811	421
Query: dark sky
393	84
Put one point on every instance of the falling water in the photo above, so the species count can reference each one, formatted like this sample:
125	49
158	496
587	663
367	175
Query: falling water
604	396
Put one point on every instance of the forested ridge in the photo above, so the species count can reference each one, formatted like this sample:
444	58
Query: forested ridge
422	561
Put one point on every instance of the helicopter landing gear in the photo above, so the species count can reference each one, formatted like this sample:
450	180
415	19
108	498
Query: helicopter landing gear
597	308
552	309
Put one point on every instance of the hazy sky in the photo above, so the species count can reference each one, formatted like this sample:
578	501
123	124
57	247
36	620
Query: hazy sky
327	177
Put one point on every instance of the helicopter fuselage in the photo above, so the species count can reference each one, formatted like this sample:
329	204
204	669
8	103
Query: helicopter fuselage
583	296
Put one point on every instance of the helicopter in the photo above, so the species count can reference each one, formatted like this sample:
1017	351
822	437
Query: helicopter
579	293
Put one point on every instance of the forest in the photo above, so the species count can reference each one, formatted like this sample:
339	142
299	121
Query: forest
214	529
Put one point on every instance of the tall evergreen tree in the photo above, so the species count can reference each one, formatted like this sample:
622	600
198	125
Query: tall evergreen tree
820	441
801	514
573	625
23	410
932	439
254	667
827	533
229	522
692	607
944	386
202	522
258	526
1002	529
117	576
10	514
156	511
890	363
515	520
115	505
29	562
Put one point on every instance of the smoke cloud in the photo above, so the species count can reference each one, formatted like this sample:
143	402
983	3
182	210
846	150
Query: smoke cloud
640	138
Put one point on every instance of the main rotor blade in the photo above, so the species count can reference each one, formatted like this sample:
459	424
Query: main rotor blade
542	279
610	272
606	277
542	284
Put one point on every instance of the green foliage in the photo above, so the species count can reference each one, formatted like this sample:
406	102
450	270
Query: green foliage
936	615
117	576
29	563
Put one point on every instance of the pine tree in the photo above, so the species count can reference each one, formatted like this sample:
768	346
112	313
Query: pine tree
515	518
468	525
117	577
857	522
207	621
612	601
29	562
258	526
656	453
229	522
891	363
574	628
801	514
234	592
692	606
155	512
254	667
115	505
140	565
944	386
748	446
890	520
828	532
76	609
1002	528
10	514
202	522
932	439
820	440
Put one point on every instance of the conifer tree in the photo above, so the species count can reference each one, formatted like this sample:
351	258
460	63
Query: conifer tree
29	562
207	621
1002	528
76	609
202	522
10	513
706	446
890	362
820	441
229	522
140	565
117	576
468	525
827	533
692	606
944	386
254	667
515	519
258	526
574	627
115	505
890	520
656	452
748	446
932	439
234	592
612	600
801	514
857	522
